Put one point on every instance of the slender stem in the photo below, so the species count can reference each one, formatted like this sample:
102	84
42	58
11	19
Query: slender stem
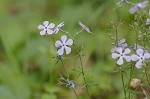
147	77
82	71
131	74
83	74
76	94
123	84
65	69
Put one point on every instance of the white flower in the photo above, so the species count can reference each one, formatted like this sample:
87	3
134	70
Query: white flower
140	57
138	6
121	43
58	27
121	55
84	28
63	45
70	83
46	28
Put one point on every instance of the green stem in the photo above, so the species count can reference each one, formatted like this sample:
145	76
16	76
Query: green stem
83	74
76	94
147	77
82	70
123	84
65	69
131	74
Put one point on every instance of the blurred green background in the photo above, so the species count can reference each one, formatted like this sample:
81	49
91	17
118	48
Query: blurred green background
27	71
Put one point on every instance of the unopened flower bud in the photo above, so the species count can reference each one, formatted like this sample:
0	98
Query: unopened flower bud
135	82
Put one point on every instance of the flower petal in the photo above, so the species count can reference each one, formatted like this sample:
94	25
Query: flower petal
58	44
61	50
146	56
51	25
61	24
127	51
127	58
147	21
63	38
124	45
139	64
139	52
142	5
68	49
56	30
43	32
113	49
41	27
134	57
120	61
115	55
50	31
69	42
133	9
45	23
119	50
122	41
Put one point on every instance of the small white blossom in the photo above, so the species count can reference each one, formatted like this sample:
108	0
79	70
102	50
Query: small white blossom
138	6
122	55
58	27
84	28
70	84
140	57
63	44
121	43
46	28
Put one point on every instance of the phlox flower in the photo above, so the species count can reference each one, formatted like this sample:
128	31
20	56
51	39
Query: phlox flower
138	6
140	57
84	28
46	28
70	84
121	55
64	44
121	43
122	1
58	27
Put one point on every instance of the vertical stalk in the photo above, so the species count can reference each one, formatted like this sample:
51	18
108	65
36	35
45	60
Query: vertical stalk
147	77
122	78
131	74
76	94
82	69
65	69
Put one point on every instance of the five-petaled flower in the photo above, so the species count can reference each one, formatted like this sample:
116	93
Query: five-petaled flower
58	27
65	44
122	54
138	6
46	28
140	57
84	28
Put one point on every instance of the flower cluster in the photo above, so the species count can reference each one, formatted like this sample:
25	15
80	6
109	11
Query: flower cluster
64	44
122	53
50	28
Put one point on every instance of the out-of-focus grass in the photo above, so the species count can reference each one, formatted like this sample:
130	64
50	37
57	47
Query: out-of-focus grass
27	71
